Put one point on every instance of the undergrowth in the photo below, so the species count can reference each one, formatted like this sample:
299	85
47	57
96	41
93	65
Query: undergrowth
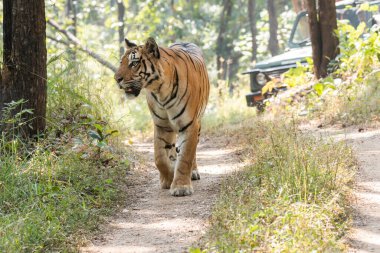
224	108
56	190
292	197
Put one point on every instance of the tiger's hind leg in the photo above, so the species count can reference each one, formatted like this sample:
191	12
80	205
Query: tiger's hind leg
194	172
164	155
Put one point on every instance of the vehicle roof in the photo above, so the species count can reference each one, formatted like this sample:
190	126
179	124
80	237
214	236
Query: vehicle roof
354	2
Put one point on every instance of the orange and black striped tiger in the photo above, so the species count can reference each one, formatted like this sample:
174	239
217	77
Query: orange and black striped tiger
177	91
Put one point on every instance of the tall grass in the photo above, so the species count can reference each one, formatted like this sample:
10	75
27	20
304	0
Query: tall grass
94	91
224	108
291	198
53	192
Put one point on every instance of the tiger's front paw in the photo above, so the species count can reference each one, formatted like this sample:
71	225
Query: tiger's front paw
181	190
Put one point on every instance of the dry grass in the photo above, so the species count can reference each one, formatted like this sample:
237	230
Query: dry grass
291	198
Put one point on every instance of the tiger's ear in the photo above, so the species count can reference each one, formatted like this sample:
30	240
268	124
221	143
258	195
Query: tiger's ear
129	44
151	47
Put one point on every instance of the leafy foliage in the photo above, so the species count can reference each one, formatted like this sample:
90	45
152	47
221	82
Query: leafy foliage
349	95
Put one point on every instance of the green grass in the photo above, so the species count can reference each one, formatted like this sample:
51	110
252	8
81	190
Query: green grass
291	198
50	195
55	192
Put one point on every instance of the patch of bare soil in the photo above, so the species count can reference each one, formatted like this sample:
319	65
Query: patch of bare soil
155	221
365	233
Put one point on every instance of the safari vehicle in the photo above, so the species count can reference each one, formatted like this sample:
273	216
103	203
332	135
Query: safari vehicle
299	49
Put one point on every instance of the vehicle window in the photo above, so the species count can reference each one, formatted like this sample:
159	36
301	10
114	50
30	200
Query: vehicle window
301	33
367	16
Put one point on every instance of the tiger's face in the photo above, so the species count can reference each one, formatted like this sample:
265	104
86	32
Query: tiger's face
138	67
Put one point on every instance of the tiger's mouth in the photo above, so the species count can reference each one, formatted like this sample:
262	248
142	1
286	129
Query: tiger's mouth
132	91
132	88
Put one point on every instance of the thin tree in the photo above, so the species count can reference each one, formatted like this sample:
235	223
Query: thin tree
71	14
24	60
225	16
120	18
273	28
252	25
322	22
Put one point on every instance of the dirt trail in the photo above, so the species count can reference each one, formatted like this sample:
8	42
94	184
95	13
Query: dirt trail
158	222
365	234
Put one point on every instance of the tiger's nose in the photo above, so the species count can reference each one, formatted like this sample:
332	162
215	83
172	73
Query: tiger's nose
119	79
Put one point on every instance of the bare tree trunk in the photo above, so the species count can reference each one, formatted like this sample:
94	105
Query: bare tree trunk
77	43
252	26
324	43
24	70
315	35
71	13
273	27
220	46
120	18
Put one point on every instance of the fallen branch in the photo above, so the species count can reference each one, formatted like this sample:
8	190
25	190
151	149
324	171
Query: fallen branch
78	44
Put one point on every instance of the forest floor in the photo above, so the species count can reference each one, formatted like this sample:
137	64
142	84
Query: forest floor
154	221
364	235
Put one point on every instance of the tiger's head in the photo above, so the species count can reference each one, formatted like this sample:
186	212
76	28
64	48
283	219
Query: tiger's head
138	67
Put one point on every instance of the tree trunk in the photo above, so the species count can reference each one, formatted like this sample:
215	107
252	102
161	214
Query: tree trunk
220	42
322	22
328	23
252	26
273	27
24	58
120	18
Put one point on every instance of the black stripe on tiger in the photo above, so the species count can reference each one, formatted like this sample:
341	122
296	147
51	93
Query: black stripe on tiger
144	72
166	52
182	111
188	57
174	92
168	145
166	129
155	98
155	78
185	127
158	116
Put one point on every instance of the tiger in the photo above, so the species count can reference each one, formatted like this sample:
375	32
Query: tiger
177	89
